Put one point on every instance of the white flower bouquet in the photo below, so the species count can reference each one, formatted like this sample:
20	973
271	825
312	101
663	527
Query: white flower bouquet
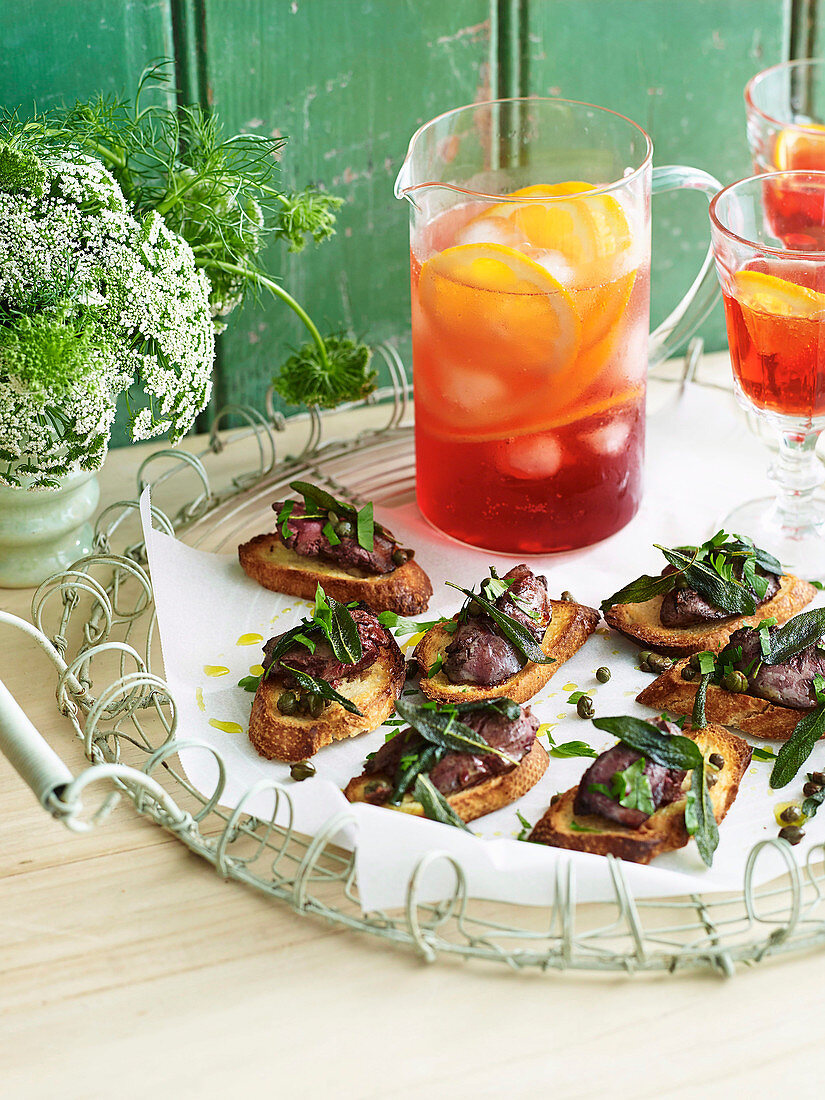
129	233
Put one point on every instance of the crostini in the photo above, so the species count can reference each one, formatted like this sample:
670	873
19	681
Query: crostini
321	539
648	795
451	762
768	681
507	640
704	594
333	676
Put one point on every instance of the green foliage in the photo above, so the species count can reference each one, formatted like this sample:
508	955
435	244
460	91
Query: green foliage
306	379
51	353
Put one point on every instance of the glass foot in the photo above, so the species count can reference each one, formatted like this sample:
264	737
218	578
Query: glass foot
801	549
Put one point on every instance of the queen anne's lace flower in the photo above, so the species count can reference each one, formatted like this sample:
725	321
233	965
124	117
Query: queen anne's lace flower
78	267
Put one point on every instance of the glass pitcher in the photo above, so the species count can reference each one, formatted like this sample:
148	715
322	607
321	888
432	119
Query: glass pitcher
530	269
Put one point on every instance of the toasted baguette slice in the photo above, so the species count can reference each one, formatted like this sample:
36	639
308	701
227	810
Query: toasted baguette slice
747	713
294	737
570	627
663	831
484	798
406	590
640	621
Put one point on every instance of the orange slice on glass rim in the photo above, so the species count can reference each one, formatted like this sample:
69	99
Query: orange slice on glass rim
800	148
777	312
589	233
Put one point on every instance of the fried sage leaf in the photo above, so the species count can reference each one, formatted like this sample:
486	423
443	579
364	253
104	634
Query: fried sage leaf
798	747
339	626
796	634
669	750
442	728
699	719
362	520
725	593
435	805
700	820
515	632
641	590
322	688
422	764
501	705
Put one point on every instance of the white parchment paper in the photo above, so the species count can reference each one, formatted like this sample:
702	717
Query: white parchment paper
702	461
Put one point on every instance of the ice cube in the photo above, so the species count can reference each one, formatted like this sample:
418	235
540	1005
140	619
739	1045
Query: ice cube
556	265
530	457
491	230
611	438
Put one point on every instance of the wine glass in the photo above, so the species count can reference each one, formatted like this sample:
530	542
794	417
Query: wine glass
768	236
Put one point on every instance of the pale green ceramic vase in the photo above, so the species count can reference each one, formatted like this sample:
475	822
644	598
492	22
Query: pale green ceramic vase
44	531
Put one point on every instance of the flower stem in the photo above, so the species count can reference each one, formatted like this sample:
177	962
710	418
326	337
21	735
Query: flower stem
279	292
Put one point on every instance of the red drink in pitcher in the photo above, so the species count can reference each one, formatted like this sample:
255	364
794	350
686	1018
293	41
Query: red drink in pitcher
529	346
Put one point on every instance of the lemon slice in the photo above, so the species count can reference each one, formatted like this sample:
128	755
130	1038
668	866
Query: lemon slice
762	293
800	148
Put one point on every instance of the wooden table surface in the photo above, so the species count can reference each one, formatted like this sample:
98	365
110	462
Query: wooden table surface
129	968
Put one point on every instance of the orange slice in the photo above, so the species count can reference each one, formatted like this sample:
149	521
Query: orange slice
495	305
778	314
763	293
590	234
496	328
800	148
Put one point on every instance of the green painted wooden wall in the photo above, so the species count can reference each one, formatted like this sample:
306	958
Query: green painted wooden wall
349	80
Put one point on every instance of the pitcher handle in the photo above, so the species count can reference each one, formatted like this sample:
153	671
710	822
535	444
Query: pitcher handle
704	292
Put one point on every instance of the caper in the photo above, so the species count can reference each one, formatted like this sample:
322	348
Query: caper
603	674
303	703
696	662
681	582
568	597
716	760
287	703
316	705
657	662
376	786
809	789
689	673
792	833
344	529
304	769
585	708
400	556
818	778
712	779
475	609
644	657
790	815
735	681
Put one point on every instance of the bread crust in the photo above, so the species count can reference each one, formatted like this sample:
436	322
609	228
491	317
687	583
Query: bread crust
569	628
664	831
754	716
640	621
484	798
406	590
290	738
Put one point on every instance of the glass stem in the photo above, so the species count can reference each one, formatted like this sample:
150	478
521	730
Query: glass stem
798	472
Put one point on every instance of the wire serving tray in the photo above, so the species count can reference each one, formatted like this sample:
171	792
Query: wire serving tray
96	622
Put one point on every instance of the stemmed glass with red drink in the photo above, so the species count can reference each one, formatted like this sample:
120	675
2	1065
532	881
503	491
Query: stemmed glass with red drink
768	237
